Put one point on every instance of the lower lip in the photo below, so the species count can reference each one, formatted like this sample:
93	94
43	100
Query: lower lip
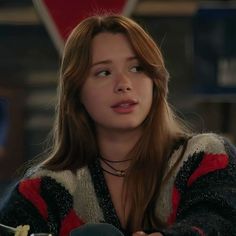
124	110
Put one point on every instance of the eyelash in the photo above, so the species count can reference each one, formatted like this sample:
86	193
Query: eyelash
99	73
139	69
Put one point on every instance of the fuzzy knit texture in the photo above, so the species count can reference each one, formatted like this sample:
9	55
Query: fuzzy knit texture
199	197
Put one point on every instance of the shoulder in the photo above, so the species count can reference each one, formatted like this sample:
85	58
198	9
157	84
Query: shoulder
210	144
206	142
204	173
64	179
207	151
206	154
42	199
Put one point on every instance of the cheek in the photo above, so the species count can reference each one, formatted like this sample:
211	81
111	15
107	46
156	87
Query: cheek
147	91
149	99
89	102
92	103
88	94
87	98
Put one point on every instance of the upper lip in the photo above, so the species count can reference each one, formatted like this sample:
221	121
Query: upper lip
128	101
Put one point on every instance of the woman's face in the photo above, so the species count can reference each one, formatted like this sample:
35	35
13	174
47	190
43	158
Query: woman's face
117	93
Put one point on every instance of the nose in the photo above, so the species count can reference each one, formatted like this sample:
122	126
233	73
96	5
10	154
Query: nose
123	84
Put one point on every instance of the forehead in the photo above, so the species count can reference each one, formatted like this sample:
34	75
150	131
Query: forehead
111	44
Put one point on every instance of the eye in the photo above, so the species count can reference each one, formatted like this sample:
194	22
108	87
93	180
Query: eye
137	69
102	73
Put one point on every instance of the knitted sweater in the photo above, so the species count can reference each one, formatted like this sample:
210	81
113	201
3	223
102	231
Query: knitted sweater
198	199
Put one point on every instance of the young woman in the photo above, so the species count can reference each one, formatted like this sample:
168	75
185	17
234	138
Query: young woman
119	153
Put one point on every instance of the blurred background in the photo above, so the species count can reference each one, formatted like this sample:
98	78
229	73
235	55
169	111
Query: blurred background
198	41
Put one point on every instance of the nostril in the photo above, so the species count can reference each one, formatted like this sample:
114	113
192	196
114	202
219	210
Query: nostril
123	88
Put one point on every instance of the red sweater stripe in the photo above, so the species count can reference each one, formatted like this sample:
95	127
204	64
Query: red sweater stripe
209	163
175	204
30	189
71	221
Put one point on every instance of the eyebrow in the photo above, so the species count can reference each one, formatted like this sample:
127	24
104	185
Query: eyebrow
110	61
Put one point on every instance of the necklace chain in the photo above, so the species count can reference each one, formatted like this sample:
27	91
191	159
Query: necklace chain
121	174
117	172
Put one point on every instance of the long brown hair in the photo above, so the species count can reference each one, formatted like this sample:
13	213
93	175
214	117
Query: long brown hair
74	139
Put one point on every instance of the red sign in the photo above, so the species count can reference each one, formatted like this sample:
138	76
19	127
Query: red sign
61	16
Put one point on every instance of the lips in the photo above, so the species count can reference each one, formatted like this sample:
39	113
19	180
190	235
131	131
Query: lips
125	106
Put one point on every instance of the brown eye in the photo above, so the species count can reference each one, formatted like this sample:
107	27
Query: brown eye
103	73
137	69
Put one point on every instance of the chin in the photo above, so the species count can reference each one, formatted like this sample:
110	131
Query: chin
129	126
117	126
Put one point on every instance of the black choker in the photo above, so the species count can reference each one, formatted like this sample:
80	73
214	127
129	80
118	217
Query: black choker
114	161
117	172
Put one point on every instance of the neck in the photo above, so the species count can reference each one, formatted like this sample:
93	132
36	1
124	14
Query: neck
117	145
